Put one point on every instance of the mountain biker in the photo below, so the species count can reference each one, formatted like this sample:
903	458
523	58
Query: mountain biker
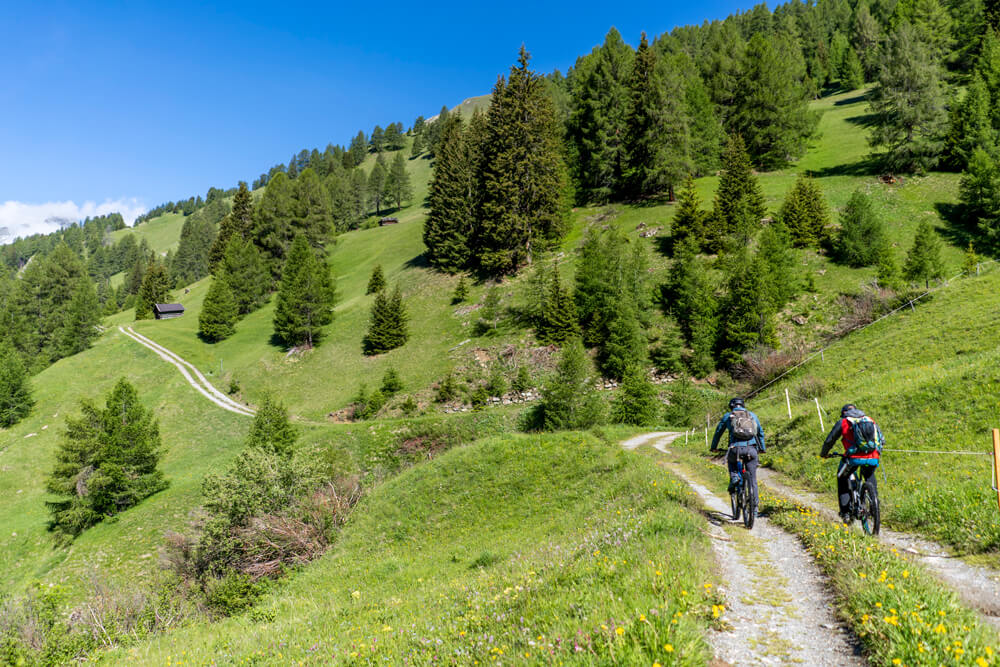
866	463
746	438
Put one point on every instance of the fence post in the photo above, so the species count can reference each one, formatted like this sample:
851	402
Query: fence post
706	437
996	463
788	403
822	428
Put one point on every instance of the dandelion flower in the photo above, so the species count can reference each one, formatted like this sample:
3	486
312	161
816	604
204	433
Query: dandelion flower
619	631
669	648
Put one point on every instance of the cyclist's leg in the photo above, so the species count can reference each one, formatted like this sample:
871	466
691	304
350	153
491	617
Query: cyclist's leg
750	454
732	460
868	473
843	489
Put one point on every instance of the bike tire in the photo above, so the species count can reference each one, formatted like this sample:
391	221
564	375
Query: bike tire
735	500
749	507
871	519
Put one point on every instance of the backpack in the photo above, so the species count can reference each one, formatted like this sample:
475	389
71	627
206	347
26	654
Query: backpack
743	425
867	436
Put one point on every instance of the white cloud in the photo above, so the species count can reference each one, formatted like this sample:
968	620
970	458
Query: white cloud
21	219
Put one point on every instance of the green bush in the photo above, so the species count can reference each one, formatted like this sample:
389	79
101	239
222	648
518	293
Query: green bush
232	594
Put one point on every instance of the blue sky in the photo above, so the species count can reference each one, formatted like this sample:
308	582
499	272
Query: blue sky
132	104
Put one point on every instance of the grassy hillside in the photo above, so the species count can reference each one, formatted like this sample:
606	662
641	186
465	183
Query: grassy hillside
514	549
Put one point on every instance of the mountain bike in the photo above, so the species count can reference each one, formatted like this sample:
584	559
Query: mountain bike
864	500
742	498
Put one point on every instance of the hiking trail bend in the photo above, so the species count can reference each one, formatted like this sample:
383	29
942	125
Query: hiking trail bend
777	603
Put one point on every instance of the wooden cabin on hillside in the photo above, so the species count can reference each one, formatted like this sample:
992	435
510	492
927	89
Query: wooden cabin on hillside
167	311
388	221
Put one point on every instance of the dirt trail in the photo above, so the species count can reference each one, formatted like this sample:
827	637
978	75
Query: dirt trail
201	384
777	606
978	587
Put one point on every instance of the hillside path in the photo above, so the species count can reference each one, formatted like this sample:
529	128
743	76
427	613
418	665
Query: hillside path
193	376
778	608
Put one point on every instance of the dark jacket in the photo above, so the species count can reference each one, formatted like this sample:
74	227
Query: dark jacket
842	431
725	424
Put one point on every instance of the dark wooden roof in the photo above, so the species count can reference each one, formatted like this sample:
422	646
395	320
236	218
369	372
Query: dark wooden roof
168	308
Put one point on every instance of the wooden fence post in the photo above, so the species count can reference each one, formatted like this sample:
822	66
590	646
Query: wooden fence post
822	428
788	403
996	463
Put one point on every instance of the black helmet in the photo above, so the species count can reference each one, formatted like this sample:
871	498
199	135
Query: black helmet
847	408
736	403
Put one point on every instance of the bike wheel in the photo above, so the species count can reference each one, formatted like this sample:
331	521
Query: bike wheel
735	500
749	507
869	511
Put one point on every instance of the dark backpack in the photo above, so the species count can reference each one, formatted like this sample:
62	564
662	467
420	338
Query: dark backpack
867	436
743	425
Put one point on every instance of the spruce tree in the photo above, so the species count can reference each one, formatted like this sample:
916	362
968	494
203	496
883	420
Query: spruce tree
239	222
557	322
312	214
219	312
155	289
357	151
907	105
804	213
969	125
387	328
979	192
397	183
15	387
657	142
748	311
376	184
106	462
923	262
273	233
624	344
971	260
450	199
636	403
376	283
461	291
243	270
306	296
82	317
689	220
783	272
271	431
391	383
692	300
666	352
739	202
704	126
862	234
418	146
569	400
865	36
522	177
191	261
887	269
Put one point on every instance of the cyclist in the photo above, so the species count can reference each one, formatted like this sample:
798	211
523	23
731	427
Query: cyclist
866	462
746	438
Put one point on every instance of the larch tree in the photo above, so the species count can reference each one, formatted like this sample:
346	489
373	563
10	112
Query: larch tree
272	232
155	289
239	222
376	183
397	183
306	296
243	270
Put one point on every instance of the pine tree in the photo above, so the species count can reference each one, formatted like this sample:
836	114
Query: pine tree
689	220
770	108
862	234
569	400
449	223
306	296
522	177
387	327
219	312
748	312
739	201
155	289
239	222
271	431
376	184
377	281
636	402
106	462
243	270
557	322
907	105
82	318
596	126
923	262
15	387
461	291
970	126
657	142
397	183
804	213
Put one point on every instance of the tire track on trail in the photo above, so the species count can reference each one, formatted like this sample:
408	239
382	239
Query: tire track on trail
190	373
778	608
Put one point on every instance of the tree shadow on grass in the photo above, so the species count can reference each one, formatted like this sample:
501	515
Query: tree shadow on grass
868	166
417	262
862	120
851	100
959	231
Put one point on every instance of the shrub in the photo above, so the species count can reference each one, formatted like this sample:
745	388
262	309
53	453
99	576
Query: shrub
685	404
447	389
569	400
233	593
496	384
522	381
391	383
636	402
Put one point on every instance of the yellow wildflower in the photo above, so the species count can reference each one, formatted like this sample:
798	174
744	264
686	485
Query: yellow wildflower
619	631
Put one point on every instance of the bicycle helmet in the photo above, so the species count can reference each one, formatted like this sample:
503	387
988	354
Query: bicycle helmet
736	403
847	408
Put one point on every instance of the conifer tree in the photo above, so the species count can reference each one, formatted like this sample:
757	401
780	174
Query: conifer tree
79	329
306	296
704	126
624	345
155	289
693	302
239	222
907	105
636	402
15	387
739	201
311	208
865	35
391	383
397	183
988	69
779	265
271	431
191	261
243	270
862	234
804	213
923	262
656	132
970	263
887	269
273	231
377	281
377	141
219	313
461	291
376	184
569	400
522	178
748	311
418	146
357	151
557	322
387	328
449	223
666	353
969	125
106	462
689	220
979	192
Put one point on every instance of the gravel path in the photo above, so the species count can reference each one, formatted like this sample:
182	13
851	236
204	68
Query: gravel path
777	607
190	373
978	587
